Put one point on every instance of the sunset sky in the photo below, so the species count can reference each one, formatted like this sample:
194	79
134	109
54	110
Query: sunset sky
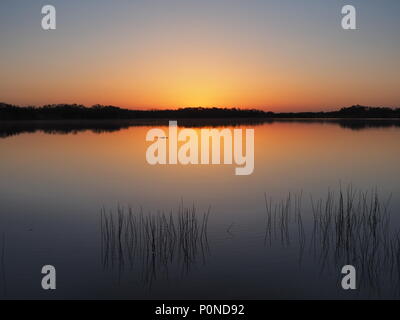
278	55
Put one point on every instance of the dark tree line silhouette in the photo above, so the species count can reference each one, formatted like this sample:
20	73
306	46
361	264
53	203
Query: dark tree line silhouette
99	112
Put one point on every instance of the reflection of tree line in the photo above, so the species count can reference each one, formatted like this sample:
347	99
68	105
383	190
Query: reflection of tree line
152	244
353	124
12	128
352	227
8	129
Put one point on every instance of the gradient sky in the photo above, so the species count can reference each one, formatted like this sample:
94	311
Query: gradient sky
278	55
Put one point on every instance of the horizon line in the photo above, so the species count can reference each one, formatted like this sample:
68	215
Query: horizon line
262	109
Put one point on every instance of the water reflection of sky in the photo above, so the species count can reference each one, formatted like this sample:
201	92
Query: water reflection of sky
52	188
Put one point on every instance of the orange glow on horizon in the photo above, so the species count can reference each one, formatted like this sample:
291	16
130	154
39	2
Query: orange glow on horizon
158	59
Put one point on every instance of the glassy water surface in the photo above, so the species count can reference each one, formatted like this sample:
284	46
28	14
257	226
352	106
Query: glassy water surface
322	195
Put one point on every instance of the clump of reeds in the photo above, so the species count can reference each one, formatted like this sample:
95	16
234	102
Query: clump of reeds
156	241
279	219
348	227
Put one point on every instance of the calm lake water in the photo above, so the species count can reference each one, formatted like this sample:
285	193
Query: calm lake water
55	184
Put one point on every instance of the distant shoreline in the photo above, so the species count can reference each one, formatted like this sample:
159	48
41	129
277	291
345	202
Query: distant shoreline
79	112
150	121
